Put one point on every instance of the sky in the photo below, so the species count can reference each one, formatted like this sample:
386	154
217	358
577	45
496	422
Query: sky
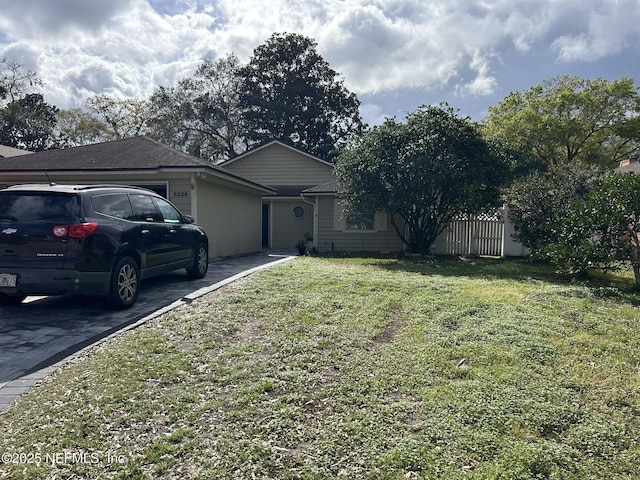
396	55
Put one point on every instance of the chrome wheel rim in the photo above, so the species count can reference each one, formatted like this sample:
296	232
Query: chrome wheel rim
203	260
127	283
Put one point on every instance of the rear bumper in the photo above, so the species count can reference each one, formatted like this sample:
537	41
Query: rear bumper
42	281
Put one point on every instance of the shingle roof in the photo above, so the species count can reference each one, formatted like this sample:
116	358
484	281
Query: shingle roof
134	153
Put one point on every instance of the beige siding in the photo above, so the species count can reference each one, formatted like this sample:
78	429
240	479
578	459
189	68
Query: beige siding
331	236
287	229
279	165
231	218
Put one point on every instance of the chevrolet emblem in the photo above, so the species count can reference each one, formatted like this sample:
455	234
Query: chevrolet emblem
9	231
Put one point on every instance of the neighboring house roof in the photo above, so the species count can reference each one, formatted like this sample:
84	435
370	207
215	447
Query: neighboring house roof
6	152
256	149
128	155
632	165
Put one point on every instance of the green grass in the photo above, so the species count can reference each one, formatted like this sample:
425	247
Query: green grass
355	368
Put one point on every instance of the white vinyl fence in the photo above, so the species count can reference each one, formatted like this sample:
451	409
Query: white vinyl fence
486	234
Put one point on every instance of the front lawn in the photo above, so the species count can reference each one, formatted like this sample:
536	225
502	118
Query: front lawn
353	368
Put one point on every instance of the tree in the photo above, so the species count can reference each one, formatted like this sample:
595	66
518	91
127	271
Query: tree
202	115
571	120
14	80
601	230
29	123
119	118
291	93
75	127
423	173
538	202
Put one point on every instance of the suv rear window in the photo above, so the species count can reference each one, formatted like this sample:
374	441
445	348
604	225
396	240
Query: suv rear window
34	206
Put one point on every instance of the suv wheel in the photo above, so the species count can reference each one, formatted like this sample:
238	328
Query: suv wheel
200	263
125	283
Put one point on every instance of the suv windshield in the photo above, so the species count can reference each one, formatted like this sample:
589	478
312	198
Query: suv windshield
33	206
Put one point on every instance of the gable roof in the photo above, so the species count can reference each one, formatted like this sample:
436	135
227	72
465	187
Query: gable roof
6	151
268	144
128	155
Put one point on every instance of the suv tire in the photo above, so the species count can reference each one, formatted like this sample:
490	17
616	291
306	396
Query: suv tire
125	284
200	262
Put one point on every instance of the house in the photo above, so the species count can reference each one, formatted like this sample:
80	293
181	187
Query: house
307	203
227	205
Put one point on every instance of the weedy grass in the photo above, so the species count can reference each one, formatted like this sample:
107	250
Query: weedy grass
354	368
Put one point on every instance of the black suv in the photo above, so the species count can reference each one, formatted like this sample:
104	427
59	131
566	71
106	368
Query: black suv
93	240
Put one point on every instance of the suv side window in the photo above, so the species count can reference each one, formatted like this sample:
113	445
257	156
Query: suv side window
144	209
168	211
115	205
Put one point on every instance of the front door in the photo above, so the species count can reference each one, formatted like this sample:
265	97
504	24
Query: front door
265	225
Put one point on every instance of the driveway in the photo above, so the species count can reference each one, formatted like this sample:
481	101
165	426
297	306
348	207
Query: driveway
39	335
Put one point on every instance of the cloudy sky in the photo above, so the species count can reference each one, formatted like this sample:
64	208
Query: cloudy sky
394	54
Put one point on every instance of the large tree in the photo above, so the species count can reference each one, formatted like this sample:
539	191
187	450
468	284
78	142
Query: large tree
292	94
423	173
120	118
29	123
76	127
202	115
569	119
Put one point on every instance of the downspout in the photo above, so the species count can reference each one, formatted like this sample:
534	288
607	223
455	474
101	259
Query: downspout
314	242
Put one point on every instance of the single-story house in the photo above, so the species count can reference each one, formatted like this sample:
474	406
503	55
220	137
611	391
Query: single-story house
307	203
227	205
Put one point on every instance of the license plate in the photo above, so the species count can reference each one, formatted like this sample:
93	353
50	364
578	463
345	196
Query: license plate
7	280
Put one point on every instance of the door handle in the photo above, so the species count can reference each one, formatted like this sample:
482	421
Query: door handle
145	232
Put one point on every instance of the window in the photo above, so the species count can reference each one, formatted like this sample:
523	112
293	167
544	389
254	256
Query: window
360	222
30	207
366	223
116	205
169	213
298	211
144	209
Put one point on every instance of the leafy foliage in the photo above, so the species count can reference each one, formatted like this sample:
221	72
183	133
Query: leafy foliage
538	202
423	173
569	119
119	118
28	123
202	114
601	230
76	127
291	93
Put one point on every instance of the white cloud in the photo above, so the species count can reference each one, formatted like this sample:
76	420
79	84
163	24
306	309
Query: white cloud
610	28
128	47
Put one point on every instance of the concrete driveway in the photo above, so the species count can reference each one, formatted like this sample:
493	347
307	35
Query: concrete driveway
41	334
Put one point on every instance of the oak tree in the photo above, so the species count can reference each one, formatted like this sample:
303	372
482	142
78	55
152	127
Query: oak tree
290	93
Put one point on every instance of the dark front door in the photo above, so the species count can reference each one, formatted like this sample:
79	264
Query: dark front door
265	224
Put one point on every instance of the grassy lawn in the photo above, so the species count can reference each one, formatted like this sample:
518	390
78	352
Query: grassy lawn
354	368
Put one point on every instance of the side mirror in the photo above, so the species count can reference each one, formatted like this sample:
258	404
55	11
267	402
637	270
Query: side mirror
188	219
